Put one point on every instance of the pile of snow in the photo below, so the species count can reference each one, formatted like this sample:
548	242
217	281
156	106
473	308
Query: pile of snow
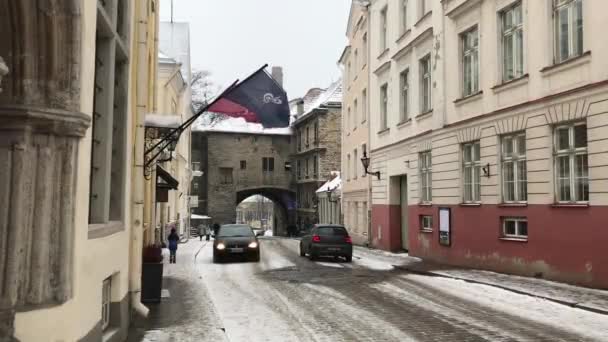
334	184
208	123
162	120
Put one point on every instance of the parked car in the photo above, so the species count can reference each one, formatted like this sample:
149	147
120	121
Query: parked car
236	240
329	240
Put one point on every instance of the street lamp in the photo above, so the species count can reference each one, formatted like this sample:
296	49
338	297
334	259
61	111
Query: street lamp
330	191
365	161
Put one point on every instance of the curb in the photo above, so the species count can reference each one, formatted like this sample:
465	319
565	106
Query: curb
506	288
200	249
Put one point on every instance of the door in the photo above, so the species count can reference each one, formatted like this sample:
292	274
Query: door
404	220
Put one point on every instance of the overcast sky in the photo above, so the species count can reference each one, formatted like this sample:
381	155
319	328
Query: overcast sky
232	38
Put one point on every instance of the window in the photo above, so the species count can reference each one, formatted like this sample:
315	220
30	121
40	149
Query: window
225	175
355	112
110	111
299	138
364	105
195	186
512	42
472	169
424	7
106	297
426	223
403	15
348	167
347	121
383	30
571	165
356	68
196	166
243	164
316	132
425	84
365	49
404	86
299	169
383	107
515	227
315	167
307	174
355	158
268	164
426	176
349	70
514	180
470	62
364	152
568	18
307	135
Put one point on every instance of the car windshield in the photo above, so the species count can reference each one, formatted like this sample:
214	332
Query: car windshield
235	231
332	231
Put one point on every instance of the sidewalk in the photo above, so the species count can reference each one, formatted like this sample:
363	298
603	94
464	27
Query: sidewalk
570	295
186	312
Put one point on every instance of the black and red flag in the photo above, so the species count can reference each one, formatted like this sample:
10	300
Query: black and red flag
258	99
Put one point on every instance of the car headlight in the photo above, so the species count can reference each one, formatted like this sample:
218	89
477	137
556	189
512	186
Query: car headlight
253	245
220	246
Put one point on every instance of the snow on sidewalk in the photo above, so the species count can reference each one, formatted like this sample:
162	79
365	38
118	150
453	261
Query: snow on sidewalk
576	296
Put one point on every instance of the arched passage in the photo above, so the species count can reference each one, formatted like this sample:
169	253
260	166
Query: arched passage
284	205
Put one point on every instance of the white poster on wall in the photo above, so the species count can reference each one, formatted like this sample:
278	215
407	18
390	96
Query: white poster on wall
445	229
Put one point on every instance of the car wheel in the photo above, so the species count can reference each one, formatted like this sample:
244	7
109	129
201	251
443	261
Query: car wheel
349	258
302	251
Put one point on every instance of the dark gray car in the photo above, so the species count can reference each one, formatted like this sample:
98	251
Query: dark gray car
329	240
236	240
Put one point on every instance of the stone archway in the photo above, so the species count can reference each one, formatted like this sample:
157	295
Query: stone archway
283	199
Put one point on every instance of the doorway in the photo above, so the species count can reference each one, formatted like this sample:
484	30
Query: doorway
403	208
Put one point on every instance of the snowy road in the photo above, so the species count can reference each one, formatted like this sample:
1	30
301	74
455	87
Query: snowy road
285	297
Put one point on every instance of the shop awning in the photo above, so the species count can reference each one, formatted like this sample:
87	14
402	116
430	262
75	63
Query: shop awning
164	180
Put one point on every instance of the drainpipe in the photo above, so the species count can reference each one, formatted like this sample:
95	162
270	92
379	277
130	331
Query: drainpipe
141	96
370	238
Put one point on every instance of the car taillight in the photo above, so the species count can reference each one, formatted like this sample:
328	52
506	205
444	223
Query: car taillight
316	238
348	239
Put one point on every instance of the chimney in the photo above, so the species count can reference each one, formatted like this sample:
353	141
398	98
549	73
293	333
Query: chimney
277	74
300	107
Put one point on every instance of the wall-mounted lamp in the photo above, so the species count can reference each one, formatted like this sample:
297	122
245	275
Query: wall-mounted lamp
486	170
329	192
365	161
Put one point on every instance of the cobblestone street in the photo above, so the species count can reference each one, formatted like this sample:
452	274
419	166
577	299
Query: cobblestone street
288	298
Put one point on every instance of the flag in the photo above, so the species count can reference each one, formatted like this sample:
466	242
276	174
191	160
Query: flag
258	99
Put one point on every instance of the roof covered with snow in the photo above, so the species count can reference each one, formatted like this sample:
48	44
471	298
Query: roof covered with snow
235	125
333	185
174	41
318	98
162	120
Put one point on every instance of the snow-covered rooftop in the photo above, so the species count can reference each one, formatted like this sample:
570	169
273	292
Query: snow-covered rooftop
235	125
334	184
317	98
162	120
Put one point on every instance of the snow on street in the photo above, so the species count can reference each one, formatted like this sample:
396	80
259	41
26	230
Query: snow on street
285	297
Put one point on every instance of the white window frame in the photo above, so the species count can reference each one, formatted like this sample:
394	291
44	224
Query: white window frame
383	29
404	18
470	52
426	176
512	33
518	228
363	105
404	112
426	84
426	223
510	163
575	47
474	186
355	113
572	153
384	107
106	301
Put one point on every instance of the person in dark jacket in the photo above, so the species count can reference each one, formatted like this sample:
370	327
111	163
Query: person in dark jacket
216	229
173	241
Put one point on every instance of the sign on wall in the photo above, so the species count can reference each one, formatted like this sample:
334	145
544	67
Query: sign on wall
445	227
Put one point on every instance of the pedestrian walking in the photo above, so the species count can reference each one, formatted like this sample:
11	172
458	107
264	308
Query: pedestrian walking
207	233
173	241
201	232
